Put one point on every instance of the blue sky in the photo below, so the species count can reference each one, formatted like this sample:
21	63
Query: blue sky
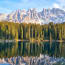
7	6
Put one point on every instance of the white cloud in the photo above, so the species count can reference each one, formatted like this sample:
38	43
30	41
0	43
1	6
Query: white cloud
55	5
61	1
59	5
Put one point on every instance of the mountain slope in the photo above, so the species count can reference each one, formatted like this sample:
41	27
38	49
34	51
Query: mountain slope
55	15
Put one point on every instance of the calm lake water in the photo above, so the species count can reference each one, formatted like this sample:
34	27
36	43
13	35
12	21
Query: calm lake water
13	49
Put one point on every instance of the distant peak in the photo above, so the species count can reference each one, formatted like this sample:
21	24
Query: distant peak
18	10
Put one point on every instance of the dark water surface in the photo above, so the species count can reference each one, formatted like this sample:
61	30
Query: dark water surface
13	49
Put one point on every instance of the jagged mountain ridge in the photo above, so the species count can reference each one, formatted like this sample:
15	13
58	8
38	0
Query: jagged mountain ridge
55	15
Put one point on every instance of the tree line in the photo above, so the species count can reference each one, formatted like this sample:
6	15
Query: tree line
23	31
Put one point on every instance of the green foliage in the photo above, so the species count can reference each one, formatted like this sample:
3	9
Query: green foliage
23	31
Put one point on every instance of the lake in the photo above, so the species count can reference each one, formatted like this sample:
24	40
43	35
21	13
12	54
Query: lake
27	49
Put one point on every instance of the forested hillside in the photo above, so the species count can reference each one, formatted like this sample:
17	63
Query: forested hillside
23	31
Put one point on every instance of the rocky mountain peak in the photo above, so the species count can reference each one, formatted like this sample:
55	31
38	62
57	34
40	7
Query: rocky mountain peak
55	15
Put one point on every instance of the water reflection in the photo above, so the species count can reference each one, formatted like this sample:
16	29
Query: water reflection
12	49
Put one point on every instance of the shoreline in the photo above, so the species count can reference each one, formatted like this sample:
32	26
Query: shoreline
32	41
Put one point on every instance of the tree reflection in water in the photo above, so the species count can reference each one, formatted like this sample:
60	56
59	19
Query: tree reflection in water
13	49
